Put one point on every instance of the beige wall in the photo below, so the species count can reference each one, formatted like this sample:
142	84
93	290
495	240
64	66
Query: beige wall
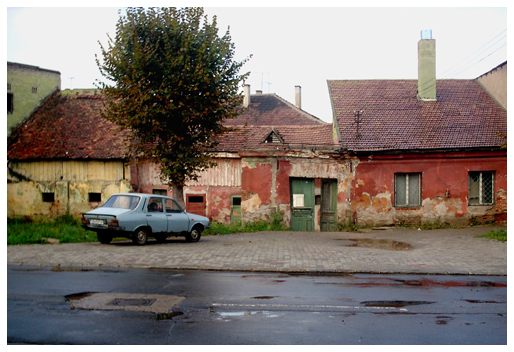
69	181
29	86
495	83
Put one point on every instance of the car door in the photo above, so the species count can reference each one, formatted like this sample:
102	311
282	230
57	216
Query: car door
178	221
155	216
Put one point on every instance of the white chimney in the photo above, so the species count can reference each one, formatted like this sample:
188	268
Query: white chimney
298	96
246	95
426	67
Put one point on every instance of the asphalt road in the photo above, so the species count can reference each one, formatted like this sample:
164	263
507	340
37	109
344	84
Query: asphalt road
159	307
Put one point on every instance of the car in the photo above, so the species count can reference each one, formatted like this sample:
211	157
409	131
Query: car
139	216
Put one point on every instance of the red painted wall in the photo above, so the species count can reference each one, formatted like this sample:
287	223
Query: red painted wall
444	184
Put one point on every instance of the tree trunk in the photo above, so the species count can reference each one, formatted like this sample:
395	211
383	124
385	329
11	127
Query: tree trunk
178	194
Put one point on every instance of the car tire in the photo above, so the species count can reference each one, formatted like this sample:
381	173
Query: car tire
195	234
140	237
104	237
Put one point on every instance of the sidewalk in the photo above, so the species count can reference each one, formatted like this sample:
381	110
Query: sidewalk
447	251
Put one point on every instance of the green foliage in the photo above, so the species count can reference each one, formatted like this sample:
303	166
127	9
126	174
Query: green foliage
173	82
274	224
499	235
348	226
66	229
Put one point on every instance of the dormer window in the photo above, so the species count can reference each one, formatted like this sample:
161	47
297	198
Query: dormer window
273	137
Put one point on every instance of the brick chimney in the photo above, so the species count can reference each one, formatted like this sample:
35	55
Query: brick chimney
246	95
298	96
426	67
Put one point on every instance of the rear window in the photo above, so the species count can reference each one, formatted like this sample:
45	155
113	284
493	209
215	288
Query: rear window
122	202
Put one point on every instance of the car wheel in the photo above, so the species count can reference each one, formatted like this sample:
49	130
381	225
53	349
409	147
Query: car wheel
195	234
140	237
160	238
104	237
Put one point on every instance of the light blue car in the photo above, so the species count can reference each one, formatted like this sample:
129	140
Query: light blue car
138	216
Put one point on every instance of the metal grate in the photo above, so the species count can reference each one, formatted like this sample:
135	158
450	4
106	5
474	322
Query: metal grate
125	302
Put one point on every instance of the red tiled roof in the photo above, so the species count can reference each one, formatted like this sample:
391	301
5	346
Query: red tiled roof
464	116
69	127
272	110
247	138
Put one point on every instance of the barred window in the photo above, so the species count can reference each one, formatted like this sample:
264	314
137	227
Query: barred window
481	188
407	190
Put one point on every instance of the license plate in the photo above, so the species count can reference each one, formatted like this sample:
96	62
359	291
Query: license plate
97	222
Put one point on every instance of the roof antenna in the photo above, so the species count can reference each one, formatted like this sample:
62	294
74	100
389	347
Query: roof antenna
357	118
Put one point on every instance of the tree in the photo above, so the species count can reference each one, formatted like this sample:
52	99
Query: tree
173	80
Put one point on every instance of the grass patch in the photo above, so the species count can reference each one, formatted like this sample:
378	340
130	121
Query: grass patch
499	235
66	229
275	224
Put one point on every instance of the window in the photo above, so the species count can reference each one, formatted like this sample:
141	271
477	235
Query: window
10	103
481	188
273	137
236	201
161	192
195	199
48	197
122	202
172	206
34	90
95	197
155	205
407	188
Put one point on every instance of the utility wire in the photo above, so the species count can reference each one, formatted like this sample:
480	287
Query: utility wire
472	58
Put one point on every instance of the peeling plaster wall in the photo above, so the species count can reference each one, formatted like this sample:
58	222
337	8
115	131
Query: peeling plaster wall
266	185
444	184
70	181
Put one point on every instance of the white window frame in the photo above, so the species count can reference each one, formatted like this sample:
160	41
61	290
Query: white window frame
407	190
481	188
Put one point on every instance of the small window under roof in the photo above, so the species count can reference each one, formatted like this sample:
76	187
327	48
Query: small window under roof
274	137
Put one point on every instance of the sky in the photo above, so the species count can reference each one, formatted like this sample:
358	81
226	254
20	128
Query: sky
289	46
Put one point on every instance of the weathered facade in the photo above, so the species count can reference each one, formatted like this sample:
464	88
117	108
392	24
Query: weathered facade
420	151
27	87
433	158
65	159
274	154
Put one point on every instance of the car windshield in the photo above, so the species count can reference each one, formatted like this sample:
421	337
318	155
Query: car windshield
122	202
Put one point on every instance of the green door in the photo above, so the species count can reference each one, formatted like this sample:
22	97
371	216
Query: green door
302	204
328	221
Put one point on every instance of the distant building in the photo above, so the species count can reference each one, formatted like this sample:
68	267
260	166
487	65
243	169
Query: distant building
27	87
495	83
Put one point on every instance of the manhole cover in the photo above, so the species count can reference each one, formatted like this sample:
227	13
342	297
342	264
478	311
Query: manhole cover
125	302
135	302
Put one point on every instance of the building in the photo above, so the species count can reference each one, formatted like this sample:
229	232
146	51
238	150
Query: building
65	159
425	151
422	151
27	87
276	159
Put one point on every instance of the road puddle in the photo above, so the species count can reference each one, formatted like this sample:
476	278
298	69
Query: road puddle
394	304
376	244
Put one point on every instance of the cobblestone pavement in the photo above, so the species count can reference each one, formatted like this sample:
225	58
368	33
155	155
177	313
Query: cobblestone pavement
448	251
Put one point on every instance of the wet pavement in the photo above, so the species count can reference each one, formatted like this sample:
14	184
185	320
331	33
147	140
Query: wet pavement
157	307
399	250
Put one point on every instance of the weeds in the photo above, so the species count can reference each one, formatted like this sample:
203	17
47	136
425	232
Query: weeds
65	228
499	235
274	224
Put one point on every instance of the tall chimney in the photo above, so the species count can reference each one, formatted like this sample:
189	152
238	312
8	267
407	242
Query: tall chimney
246	95
426	67
298	96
